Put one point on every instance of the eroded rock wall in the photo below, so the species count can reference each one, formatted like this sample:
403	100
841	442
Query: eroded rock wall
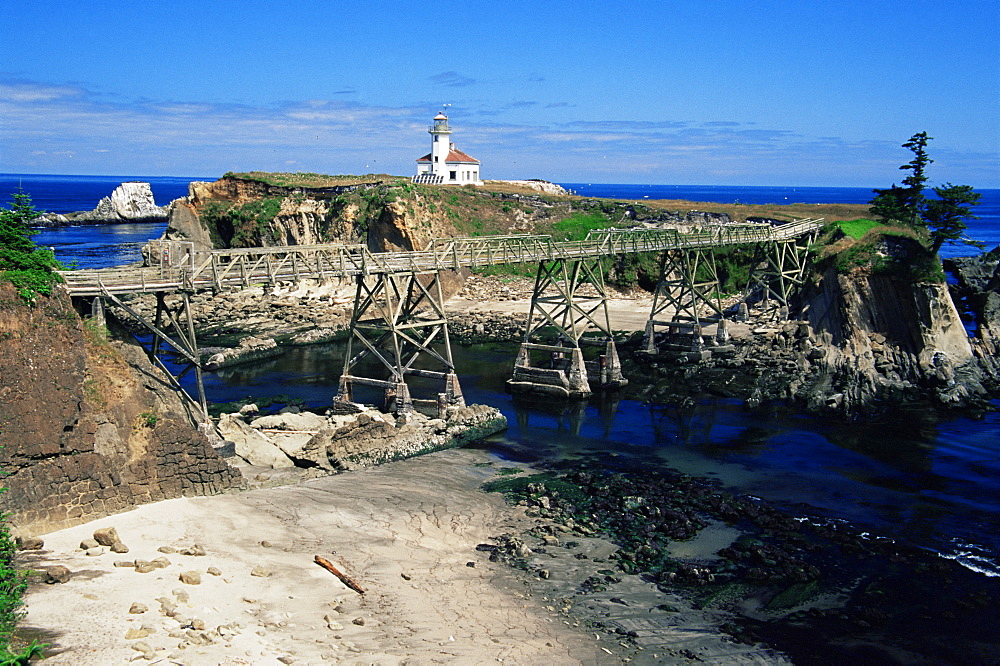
88	427
883	336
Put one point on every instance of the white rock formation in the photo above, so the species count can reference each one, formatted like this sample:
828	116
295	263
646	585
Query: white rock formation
543	186
129	201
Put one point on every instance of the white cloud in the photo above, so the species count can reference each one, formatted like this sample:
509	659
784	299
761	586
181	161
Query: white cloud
64	129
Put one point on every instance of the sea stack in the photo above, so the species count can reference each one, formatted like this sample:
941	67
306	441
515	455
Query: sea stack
129	202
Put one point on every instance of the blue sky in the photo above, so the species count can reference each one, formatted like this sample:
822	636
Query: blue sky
708	92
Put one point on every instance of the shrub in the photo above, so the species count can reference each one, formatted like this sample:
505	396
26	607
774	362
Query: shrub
13	584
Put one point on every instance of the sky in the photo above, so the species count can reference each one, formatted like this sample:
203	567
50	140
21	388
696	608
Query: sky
706	92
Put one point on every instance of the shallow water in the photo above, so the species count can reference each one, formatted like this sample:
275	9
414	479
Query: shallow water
934	482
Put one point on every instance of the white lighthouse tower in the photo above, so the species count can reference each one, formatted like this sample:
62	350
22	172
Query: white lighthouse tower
445	165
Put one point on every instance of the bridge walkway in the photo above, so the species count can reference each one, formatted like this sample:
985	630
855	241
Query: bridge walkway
398	317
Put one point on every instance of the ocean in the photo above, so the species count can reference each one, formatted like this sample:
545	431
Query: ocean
985	229
97	247
930	479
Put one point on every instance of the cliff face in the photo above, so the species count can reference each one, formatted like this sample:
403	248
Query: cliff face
240	212
883	337
83	434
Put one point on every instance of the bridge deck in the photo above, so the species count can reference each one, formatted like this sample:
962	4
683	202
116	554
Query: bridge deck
219	269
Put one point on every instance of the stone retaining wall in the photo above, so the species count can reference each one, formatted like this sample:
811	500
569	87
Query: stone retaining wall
88	427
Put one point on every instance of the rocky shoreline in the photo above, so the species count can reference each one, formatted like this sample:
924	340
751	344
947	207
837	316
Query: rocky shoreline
812	589
348	438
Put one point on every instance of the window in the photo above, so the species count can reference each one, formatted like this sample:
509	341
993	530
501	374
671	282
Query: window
452	177
435	138
435	158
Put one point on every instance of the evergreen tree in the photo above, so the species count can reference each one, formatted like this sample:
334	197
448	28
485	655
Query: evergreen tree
904	204
29	267
914	183
944	217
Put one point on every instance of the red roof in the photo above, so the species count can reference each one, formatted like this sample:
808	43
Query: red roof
453	156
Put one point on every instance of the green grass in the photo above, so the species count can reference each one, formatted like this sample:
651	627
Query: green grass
578	225
857	228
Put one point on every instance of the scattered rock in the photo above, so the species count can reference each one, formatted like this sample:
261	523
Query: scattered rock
57	574
135	633
213	571
196	550
143	566
190	577
360	621
106	536
137	608
119	547
88	544
260	572
146	650
167	550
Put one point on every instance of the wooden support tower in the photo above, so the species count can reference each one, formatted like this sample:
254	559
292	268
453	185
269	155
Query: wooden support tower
686	296
779	273
569	296
178	319
398	321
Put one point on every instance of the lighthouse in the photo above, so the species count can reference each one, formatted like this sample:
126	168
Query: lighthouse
445	164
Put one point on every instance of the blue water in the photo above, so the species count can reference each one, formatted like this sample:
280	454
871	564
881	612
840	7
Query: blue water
91	246
932	480
985	229
916	476
68	194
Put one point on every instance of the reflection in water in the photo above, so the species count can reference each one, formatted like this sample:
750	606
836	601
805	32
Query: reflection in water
569	415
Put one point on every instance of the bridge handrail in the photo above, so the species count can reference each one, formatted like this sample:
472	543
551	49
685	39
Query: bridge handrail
247	266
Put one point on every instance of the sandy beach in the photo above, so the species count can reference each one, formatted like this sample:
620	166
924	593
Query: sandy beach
406	532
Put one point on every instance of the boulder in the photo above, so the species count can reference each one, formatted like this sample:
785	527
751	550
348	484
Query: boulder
190	577
56	574
30	543
251	445
106	536
301	443
290	421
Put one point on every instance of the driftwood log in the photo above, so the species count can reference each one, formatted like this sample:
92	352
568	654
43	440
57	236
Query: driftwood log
344	578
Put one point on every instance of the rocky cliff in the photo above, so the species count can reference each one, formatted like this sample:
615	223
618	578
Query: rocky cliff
388	214
978	293
129	202
88	428
883	339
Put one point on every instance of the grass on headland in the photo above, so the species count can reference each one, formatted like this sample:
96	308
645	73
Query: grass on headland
878	249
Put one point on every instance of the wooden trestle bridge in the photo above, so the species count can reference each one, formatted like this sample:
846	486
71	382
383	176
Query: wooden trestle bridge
398	315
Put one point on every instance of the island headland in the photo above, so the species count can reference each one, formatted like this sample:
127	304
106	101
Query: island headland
92	429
